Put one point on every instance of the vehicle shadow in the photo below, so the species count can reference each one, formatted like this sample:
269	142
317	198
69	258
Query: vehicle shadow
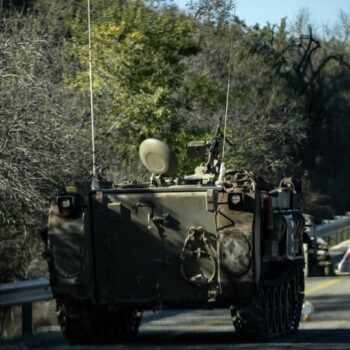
320	339
313	336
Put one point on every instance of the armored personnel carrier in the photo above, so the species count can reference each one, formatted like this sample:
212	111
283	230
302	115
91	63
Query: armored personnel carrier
214	239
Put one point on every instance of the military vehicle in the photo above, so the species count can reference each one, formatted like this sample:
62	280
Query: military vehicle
214	239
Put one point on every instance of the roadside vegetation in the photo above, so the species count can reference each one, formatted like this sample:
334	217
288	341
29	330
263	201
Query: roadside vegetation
159	72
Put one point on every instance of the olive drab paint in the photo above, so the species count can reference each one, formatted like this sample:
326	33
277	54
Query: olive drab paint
177	243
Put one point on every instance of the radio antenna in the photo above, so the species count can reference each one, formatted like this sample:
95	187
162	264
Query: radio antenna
228	83
91	98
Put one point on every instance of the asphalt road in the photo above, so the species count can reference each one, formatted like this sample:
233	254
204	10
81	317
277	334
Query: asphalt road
328	329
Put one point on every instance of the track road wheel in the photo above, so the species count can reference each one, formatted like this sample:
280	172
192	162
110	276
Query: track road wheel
282	308
268	312
275	310
289	305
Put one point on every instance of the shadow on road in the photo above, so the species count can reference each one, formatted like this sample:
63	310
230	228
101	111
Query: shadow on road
333	336
333	339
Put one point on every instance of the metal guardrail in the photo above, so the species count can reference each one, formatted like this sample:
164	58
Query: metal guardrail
336	230
25	293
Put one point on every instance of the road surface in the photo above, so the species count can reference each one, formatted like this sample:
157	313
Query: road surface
328	329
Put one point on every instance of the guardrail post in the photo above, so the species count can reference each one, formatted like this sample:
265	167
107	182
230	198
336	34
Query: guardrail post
27	319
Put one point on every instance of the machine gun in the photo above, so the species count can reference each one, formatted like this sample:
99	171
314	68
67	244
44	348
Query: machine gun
214	149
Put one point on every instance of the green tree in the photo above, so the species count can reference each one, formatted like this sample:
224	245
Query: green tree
138	75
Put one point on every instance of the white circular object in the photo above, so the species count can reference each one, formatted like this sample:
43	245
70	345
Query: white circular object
158	158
